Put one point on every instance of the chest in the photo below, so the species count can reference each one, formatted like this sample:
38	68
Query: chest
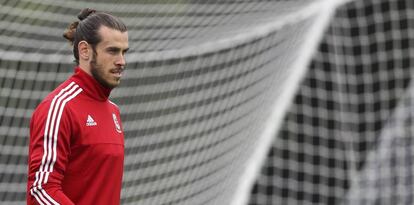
97	123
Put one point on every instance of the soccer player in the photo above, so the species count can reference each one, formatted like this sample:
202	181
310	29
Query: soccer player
76	151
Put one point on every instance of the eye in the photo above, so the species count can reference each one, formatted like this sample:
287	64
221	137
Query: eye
112	50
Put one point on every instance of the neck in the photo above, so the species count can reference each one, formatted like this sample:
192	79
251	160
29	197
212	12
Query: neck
85	66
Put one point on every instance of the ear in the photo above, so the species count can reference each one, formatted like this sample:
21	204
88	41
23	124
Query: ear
83	49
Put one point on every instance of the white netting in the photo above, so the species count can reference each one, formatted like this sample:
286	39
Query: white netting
207	85
347	138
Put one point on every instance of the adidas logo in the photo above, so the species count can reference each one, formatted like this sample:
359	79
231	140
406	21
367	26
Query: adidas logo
90	121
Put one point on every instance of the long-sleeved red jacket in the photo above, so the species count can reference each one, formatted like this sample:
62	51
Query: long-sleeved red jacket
76	150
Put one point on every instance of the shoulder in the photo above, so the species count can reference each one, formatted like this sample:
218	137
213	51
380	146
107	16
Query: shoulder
59	98
113	104
114	107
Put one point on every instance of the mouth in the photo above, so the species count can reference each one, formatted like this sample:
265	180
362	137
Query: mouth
117	72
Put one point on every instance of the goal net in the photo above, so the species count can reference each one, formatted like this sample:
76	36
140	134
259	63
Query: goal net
208	85
348	136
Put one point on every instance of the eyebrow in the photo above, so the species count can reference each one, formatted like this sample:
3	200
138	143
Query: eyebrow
113	48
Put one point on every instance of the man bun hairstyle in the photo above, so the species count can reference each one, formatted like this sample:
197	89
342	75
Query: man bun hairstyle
86	29
85	13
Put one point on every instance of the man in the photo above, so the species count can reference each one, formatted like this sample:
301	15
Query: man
76	149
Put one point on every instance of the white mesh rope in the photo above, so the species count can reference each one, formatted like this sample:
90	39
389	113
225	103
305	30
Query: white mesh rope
347	137
207	86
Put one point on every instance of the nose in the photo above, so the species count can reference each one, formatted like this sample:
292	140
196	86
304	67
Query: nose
121	61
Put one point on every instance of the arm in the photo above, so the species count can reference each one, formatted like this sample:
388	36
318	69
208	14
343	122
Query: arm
49	149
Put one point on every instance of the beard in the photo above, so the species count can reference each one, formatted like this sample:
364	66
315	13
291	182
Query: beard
98	73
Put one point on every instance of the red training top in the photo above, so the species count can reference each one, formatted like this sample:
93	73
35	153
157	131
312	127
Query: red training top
76	151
